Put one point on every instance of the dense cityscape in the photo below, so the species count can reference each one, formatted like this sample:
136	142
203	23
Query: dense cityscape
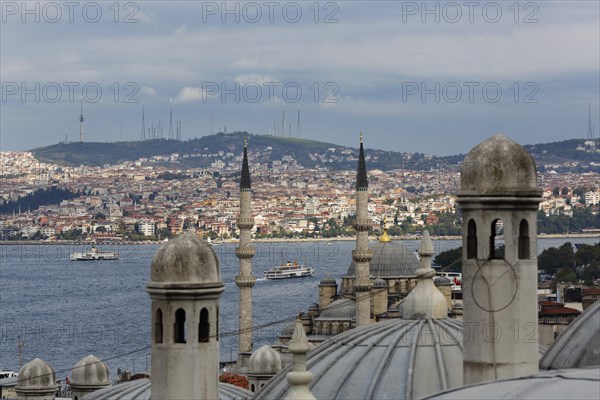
156	198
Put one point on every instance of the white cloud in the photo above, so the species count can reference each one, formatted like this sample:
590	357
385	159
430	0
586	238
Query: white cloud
181	30
244	79
148	91
245	63
189	94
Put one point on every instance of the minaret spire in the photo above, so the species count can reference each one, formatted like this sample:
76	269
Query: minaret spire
361	254
245	279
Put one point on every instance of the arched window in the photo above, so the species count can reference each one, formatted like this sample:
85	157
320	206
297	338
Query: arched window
158	326
496	250
179	326
471	240
252	388
341	328
330	329
524	250
203	327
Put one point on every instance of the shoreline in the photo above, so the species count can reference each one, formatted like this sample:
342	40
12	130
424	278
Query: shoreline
270	240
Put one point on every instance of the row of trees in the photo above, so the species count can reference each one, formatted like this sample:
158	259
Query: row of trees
40	197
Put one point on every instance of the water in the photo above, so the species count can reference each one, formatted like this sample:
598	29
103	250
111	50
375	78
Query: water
65	310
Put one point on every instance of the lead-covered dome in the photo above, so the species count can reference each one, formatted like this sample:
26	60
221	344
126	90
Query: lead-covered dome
498	166
36	374
90	371
265	361
579	345
341	309
185	259
390	260
396	359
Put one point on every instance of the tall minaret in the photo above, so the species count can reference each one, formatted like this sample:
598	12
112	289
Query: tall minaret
245	279
361	254
81	122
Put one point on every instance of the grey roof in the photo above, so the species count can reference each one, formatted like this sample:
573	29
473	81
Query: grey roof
389	360
442	281
341	309
328	281
390	260
361	173
379	283
579	345
140	389
245	178
582	383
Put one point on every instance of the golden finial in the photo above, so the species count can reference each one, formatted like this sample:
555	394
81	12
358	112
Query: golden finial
385	237
245	142
361	135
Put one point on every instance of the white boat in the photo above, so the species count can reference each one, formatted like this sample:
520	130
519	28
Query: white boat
8	374
93	255
289	270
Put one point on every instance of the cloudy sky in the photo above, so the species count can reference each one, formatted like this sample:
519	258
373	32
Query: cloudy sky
433	77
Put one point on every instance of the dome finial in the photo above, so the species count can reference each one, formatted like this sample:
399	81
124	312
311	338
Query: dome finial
299	377
425	300
361	135
385	238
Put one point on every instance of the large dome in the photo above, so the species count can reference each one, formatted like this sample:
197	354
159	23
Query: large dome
389	360
498	166
579	345
185	259
390	260
582	383
339	310
141	390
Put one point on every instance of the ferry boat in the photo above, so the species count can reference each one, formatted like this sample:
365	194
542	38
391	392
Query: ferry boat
289	270
93	255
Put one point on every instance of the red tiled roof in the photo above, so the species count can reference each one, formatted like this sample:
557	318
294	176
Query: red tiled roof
558	311
590	291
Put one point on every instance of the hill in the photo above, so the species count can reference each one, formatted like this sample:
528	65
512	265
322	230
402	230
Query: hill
309	153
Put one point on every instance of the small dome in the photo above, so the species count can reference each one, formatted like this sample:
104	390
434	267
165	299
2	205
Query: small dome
185	259
90	371
288	330
396	359
379	283
498	166
582	383
36	374
328	281
579	345
313	307
304	317
442	281
339	310
390	260
265	361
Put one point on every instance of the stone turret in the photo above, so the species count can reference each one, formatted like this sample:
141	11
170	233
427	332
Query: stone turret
245	279
499	196
88	375
262	366
37	380
361	254
327	291
185	287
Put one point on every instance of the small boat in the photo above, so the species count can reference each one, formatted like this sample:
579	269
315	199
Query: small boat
289	270
93	255
8	374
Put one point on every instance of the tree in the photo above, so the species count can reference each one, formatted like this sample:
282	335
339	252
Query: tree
100	229
450	259
564	191
556	191
554	259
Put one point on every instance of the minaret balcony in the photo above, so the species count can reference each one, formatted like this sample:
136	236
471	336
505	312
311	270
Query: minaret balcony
245	223
245	280
245	252
362	255
362	224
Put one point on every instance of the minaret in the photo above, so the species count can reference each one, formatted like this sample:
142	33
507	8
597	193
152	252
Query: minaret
498	183
298	124
245	279
81	122
590	130
361	254
185	287
143	135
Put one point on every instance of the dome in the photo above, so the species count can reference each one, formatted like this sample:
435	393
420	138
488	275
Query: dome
264	361
36	374
583	383
140	389
442	281
390	260
379	283
339	310
579	345
185	259
328	281
313	307
90	371
288	330
394	359
498	166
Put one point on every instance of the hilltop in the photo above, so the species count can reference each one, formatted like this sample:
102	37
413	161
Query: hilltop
309	153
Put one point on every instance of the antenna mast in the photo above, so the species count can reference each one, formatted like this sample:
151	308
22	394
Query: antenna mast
81	122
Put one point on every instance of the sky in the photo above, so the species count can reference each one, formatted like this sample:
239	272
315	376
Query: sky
434	77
